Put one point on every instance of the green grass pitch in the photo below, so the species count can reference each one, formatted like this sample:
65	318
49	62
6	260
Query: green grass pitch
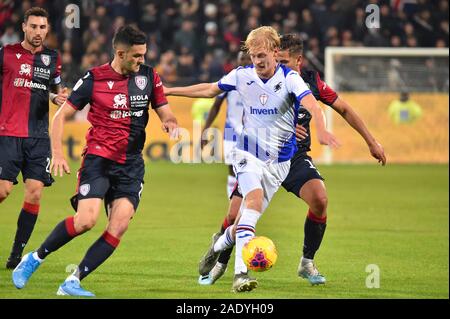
395	217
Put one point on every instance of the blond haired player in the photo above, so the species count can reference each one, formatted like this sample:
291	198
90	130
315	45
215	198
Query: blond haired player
261	158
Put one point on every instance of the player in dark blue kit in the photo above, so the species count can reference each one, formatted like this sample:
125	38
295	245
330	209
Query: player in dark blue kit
29	77
303	179
120	94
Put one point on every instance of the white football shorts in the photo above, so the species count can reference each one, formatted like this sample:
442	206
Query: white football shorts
253	173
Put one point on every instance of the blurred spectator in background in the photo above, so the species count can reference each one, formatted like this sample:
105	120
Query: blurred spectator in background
10	36
193	39
404	110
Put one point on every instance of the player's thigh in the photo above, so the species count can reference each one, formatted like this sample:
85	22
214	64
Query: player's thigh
121	212
302	170
127	181
37	156
248	171
93	178
273	176
11	159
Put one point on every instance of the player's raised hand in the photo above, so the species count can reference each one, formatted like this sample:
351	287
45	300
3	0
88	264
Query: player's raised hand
61	97
326	138
59	164
171	127
377	151
300	132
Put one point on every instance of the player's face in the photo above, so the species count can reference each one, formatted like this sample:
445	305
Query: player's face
35	30
289	60
134	57
264	61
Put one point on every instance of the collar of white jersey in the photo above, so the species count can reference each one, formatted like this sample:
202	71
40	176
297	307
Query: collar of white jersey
267	80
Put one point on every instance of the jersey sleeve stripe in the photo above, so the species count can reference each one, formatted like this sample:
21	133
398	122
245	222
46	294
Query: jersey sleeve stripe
301	96
226	87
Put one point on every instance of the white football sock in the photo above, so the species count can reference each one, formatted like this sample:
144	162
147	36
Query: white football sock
226	240
245	231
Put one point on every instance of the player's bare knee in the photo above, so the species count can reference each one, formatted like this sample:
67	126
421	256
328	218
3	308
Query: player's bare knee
87	224
84	223
254	201
255	205
118	229
33	195
319	205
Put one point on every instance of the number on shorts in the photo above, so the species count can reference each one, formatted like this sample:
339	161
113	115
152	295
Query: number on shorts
140	192
311	165
47	168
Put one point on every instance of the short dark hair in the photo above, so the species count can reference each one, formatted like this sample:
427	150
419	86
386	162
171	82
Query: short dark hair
292	43
35	11
129	36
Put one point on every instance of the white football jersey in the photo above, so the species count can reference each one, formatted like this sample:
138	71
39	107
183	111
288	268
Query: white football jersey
235	111
270	110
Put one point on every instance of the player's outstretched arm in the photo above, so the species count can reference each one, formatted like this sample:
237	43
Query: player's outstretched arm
324	137
59	163
355	121
168	120
197	90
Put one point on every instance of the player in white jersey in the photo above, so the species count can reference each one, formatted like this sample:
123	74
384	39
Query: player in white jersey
261	158
233	122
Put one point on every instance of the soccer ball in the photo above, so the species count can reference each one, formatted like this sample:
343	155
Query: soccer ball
259	254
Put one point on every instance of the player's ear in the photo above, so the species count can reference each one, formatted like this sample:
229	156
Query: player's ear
23	26
121	54
299	60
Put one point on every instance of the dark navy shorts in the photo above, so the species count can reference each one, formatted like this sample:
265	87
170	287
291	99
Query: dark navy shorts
99	177
302	170
28	155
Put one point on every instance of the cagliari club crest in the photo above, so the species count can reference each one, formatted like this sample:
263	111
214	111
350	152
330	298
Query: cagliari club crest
84	189
263	98
141	81
45	59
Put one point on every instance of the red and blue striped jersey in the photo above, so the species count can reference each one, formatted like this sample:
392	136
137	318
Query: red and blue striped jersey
24	94
119	109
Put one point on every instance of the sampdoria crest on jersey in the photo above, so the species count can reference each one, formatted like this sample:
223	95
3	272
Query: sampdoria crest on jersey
84	189
263	98
277	87
45	58
25	69
120	101
141	81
